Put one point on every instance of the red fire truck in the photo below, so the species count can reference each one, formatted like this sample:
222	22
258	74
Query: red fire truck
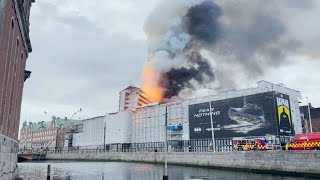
251	143
307	141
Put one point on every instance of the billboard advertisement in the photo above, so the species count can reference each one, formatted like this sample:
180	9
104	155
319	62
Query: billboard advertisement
283	112
253	115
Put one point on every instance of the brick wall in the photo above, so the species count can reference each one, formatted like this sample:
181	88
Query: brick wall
14	49
13	55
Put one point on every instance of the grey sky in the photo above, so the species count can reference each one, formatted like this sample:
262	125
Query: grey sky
85	52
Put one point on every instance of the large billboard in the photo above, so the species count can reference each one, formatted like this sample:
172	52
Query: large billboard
283	113
253	115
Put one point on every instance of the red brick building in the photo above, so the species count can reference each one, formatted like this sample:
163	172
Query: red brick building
49	134
14	49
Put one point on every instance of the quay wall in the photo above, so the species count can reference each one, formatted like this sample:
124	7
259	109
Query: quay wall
8	157
282	162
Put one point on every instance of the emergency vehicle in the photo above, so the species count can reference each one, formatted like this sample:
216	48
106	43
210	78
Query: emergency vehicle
251	143
307	141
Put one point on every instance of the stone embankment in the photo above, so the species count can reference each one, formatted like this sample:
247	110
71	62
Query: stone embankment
303	163
8	157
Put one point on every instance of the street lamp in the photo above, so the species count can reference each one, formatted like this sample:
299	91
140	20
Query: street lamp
212	130
165	176
309	115
104	136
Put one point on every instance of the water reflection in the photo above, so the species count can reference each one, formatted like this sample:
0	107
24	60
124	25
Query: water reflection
61	170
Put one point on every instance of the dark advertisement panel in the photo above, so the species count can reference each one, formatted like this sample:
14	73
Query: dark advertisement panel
283	112
253	115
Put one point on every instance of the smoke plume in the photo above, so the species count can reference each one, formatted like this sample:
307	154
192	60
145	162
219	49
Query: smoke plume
217	44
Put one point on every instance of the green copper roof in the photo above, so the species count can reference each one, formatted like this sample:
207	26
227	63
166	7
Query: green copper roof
46	125
64	122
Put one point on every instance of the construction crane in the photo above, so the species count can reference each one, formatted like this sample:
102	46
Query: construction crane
46	147
80	110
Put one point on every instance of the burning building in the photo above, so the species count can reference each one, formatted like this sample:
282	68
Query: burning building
249	112
211	44
268	109
132	97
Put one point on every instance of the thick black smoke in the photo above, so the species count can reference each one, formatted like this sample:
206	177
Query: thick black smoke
255	38
178	79
202	24
244	40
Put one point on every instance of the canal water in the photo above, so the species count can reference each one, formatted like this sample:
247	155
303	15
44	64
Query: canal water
80	170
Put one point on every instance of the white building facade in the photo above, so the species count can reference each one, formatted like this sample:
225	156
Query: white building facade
149	122
93	133
118	127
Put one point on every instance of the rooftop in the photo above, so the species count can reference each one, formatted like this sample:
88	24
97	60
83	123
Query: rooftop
35	126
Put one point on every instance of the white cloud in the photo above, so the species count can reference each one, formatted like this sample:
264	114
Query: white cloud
301	73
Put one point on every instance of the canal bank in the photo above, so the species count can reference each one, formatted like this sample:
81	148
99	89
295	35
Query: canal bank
109	170
301	163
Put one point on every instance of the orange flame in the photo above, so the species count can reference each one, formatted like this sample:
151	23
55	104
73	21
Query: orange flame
149	84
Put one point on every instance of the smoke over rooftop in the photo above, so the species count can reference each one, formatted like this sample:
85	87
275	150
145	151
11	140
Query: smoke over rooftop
214	44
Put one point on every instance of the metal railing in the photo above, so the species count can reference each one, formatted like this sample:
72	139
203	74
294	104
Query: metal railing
205	145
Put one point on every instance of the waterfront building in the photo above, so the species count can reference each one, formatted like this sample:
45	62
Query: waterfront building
15	47
315	118
268	109
118	127
50	134
115	127
92	134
